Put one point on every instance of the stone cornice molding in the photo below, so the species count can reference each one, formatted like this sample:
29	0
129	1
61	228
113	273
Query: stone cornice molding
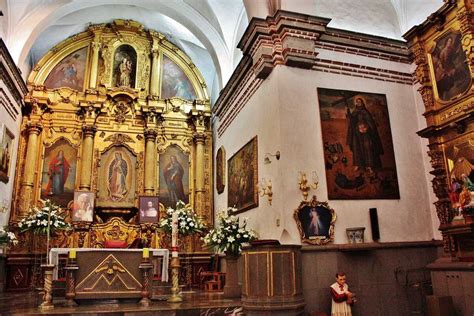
11	75
293	39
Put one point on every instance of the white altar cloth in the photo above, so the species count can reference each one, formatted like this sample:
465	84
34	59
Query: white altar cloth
165	253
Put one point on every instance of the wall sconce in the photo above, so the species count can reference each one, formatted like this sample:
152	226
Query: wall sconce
265	188
304	184
267	160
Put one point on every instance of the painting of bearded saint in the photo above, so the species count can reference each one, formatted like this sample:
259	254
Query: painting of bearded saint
118	171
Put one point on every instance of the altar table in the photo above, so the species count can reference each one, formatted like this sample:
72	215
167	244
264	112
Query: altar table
163	253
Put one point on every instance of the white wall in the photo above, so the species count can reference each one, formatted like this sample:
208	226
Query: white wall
284	114
6	189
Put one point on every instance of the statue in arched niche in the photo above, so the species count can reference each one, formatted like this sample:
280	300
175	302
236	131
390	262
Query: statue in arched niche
125	62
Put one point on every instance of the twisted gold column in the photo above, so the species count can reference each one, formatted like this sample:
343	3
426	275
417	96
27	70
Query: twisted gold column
86	158
33	130
94	65
150	161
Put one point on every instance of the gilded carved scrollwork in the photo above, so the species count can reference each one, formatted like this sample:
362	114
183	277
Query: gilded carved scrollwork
101	115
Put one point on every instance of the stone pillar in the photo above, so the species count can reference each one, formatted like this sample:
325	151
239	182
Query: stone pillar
86	157
150	161
33	130
94	65
199	139
155	73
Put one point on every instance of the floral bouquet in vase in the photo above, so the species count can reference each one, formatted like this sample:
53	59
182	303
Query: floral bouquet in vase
188	221
7	237
50	218
229	235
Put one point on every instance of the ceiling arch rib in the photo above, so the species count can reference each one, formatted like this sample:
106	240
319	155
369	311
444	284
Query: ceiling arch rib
31	27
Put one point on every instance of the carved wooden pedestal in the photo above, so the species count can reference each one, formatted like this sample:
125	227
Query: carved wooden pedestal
232	286
272	280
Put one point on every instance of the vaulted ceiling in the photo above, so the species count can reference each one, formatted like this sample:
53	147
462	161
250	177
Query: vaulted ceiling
207	30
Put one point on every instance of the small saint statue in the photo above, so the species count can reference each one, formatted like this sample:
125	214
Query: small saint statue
342	298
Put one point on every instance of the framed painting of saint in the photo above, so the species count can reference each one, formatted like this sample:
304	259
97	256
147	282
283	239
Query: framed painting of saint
358	147
450	68
69	72
58	174
149	209
174	176
83	207
242	188
6	149
220	170
315	221
117	177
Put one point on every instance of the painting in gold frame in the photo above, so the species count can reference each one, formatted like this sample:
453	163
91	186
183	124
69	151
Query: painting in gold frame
117	178
59	172
220	170
69	72
6	150
242	188
451	71
174	176
315	221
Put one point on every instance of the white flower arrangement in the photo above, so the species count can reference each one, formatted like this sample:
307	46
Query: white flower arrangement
229	235
37	219
188	222
7	237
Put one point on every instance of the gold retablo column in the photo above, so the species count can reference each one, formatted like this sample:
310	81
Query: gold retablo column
33	130
150	161
155	73
86	158
200	139
95	64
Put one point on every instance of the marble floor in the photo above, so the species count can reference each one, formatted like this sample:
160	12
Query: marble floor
194	303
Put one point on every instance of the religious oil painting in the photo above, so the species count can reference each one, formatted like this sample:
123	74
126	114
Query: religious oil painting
358	147
315	221
125	65
83	207
6	150
117	177
174	176
450	67
149	209
220	170
175	83
460	167
59	172
69	72
242	178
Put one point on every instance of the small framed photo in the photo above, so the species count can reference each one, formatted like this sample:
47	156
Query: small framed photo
6	147
149	209
83	207
315	222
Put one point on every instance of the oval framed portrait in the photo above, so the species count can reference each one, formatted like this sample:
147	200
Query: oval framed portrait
315	221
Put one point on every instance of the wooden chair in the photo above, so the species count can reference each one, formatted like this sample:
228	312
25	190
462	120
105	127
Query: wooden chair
212	280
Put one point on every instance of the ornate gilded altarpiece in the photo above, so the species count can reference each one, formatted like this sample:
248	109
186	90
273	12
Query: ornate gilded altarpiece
443	50
97	100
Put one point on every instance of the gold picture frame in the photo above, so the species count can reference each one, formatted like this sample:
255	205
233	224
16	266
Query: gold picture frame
315	221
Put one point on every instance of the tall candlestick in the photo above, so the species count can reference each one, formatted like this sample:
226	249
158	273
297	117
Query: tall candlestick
174	230
72	254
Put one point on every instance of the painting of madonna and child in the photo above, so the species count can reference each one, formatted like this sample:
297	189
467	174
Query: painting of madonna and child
358	148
